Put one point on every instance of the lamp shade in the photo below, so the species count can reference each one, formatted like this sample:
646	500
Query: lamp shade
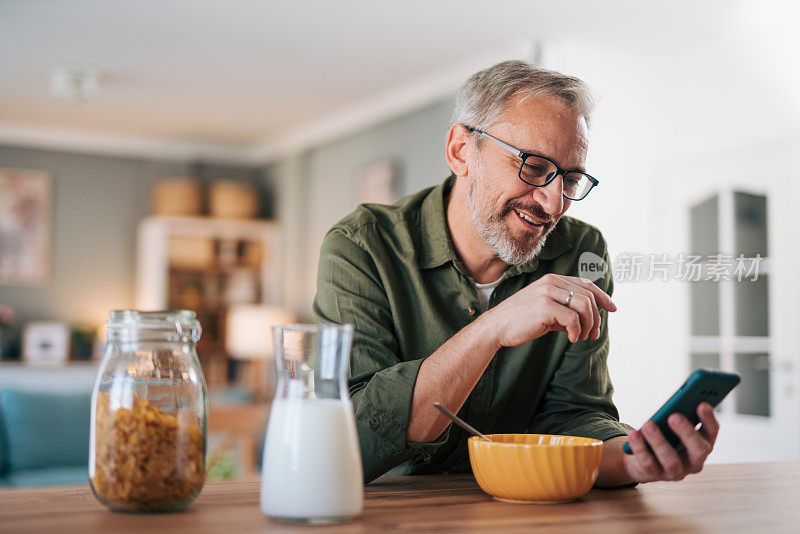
249	330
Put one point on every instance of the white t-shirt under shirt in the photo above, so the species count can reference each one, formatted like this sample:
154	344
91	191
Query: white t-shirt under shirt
485	292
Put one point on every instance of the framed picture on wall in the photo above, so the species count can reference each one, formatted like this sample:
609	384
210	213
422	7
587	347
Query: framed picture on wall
25	227
379	182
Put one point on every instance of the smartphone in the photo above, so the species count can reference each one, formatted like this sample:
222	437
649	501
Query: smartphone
701	386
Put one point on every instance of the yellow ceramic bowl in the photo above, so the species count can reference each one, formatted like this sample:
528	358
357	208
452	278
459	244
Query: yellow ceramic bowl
535	468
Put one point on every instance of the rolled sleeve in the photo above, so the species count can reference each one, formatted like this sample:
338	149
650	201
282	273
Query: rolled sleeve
349	290
383	405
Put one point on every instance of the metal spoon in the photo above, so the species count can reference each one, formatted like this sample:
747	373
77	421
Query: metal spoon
460	422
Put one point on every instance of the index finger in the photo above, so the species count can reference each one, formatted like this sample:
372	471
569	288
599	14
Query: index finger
602	298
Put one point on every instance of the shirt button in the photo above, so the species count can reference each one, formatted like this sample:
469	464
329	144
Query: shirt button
471	310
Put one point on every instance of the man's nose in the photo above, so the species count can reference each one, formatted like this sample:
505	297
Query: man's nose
551	196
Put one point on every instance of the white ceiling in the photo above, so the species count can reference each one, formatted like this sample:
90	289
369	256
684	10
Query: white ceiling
254	77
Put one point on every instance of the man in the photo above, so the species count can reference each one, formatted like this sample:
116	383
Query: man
467	294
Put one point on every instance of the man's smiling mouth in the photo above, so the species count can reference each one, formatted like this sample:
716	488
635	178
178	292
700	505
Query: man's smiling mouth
529	219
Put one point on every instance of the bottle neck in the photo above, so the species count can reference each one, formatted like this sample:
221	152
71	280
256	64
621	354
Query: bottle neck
170	326
136	335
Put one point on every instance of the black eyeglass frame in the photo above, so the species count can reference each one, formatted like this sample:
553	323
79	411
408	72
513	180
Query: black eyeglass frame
525	155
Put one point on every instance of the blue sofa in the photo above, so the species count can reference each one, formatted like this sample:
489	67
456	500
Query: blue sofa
44	436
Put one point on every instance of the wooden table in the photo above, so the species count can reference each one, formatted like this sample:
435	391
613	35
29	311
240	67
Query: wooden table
755	498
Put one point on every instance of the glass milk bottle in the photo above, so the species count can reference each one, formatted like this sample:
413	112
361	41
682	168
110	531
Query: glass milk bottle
312	462
149	405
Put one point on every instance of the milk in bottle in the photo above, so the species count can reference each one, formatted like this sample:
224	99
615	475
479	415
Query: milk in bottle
312	463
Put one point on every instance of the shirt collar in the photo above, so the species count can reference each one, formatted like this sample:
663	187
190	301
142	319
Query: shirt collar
437	248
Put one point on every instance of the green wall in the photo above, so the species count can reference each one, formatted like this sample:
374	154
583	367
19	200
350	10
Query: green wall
320	186
98	202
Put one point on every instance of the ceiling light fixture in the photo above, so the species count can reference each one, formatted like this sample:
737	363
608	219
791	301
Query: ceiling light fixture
74	83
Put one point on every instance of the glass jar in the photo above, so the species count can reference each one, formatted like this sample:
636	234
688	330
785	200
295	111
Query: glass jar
312	461
149	408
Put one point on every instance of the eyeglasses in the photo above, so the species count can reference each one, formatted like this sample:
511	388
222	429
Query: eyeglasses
539	171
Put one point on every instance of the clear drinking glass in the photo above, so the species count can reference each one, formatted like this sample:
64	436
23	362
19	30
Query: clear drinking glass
312	462
149	405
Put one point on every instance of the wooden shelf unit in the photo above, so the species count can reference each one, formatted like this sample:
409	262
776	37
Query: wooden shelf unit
234	261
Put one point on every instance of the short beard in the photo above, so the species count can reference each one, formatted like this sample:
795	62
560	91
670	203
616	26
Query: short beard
492	228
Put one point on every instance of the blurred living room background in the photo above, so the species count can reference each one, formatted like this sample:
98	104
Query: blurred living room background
192	154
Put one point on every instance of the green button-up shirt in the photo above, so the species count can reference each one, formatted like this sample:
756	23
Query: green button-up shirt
392	272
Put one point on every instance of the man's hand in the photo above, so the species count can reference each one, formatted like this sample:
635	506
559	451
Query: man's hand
664	463
449	374
545	306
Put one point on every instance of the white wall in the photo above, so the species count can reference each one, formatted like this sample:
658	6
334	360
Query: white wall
662	105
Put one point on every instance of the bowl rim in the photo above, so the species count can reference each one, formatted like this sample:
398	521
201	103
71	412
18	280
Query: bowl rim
593	443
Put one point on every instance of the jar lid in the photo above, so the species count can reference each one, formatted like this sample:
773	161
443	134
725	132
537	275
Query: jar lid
184	323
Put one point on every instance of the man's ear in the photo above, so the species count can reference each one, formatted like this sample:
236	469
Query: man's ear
457	149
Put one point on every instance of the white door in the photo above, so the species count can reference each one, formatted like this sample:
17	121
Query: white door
741	315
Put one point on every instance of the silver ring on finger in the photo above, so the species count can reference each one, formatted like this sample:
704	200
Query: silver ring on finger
568	299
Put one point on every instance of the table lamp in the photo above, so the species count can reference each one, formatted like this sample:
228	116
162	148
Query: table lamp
248	337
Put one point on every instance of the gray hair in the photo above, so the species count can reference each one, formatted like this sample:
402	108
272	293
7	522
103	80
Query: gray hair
487	93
